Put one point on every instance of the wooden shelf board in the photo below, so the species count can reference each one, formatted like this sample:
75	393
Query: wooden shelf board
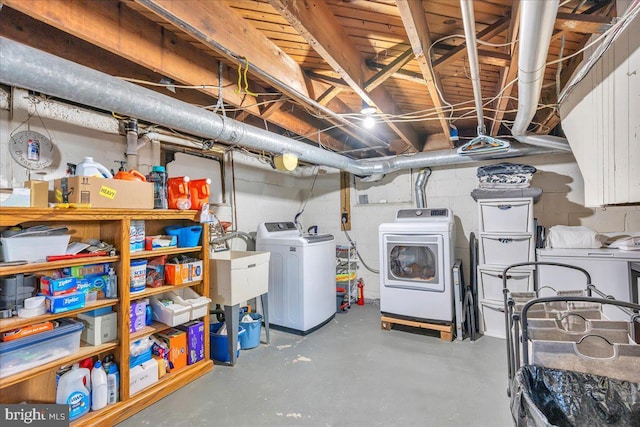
84	352
17	322
148	330
167	251
54	265
171	382
160	290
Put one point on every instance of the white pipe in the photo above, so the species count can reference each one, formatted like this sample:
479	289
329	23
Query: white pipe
537	19
55	110
469	22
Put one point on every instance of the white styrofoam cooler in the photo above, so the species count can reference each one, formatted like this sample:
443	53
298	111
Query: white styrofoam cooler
34	248
500	249
492	318
506	215
490	281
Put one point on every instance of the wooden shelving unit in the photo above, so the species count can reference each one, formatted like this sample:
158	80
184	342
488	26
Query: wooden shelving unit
37	385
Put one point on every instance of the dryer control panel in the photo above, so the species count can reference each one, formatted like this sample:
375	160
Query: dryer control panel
422	214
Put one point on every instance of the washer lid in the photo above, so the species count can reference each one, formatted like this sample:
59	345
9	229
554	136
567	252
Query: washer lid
317	238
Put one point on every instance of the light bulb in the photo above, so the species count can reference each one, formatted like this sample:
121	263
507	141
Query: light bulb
369	122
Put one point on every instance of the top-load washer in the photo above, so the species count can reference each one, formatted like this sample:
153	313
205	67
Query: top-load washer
302	281
416	260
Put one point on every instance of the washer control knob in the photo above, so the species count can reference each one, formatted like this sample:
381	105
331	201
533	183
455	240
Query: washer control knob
419	213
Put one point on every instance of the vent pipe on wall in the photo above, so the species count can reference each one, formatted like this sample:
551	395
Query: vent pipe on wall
32	69
421	183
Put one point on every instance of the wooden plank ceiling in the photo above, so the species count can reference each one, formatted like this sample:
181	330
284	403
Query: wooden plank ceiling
304	68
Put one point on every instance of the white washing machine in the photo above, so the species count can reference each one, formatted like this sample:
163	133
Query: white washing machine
302	277
416	260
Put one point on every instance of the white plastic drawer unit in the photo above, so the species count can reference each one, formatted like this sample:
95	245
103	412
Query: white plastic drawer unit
491	284
506	215
492	319
506	249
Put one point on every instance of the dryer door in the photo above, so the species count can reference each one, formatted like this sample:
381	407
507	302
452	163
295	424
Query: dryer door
414	262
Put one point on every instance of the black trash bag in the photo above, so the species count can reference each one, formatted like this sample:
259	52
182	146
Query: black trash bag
554	397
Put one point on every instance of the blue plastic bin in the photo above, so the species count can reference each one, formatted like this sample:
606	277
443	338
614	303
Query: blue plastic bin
251	337
188	237
219	344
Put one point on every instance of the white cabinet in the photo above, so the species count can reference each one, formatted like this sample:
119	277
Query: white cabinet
506	237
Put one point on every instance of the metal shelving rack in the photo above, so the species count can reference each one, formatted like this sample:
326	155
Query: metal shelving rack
347	265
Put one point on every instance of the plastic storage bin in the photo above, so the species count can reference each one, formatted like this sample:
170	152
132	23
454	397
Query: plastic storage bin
251	337
490	280
498	249
493	319
173	314
188	237
36	248
219	344
506	216
186	296
36	350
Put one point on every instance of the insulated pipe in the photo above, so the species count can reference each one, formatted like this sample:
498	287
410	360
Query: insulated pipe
26	67
537	19
469	22
421	183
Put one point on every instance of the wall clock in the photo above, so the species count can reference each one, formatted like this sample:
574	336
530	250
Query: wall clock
31	149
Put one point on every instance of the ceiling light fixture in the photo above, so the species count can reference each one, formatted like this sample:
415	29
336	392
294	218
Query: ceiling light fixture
367	109
369	122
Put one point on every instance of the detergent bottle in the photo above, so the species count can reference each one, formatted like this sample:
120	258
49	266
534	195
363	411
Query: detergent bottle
199	192
98	387
178	193
88	167
71	391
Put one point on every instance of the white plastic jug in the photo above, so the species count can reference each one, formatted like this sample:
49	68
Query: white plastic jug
87	167
71	391
98	387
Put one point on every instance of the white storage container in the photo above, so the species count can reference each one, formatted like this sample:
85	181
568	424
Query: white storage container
35	248
493	318
39	349
506	215
490	281
173	314
186	296
499	249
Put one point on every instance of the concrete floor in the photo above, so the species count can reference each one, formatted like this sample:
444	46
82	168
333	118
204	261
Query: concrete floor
348	373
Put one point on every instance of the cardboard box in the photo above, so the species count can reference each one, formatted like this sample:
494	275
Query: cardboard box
177	342
195	341
105	193
93	284
143	375
26	331
179	274
39	193
99	329
64	303
60	286
80	271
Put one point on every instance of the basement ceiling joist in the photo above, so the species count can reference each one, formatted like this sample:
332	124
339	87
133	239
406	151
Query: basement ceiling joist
311	64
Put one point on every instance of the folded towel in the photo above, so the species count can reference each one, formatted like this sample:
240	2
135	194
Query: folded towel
563	236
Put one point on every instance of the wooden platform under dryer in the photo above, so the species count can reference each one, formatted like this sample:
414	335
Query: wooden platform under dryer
446	330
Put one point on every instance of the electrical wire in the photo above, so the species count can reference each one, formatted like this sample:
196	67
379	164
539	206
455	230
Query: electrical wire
304	204
358	253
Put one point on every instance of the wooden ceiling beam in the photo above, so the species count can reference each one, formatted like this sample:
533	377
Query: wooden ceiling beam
106	25
461	50
415	23
329	94
388	70
222	29
582	22
508	74
320	28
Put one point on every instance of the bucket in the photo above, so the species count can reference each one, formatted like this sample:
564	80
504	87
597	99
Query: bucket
251	337
138	275
188	237
219	344
199	192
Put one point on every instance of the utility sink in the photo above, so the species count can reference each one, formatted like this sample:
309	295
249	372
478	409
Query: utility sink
238	276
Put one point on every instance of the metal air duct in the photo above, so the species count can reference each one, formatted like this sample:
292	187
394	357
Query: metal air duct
32	69
421	183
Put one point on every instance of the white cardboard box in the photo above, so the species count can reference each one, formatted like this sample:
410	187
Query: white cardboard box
99	329
143	375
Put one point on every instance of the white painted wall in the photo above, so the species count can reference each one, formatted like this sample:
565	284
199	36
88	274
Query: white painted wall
266	195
